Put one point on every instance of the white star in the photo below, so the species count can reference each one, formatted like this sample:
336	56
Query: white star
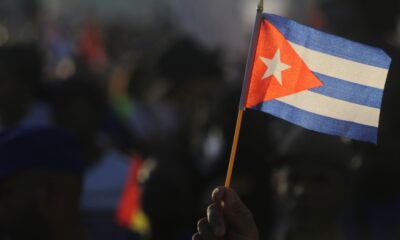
274	67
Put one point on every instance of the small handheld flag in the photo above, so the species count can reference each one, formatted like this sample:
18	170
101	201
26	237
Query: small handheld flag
316	80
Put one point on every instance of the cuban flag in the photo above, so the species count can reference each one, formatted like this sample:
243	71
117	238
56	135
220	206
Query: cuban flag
316	80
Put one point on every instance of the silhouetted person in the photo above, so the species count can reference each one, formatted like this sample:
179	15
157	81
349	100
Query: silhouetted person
80	105
182	122
311	180
20	78
311	185
40	182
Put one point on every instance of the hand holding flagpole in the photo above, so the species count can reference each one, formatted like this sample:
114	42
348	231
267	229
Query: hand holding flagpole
245	87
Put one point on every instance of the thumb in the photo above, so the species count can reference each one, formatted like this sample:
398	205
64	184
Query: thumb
236	213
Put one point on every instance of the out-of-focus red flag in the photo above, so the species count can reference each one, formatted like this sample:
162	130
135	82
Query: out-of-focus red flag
129	212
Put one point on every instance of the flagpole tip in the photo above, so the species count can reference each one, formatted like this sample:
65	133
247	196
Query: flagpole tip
260	6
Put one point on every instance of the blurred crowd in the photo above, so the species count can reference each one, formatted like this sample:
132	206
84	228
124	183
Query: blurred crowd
115	131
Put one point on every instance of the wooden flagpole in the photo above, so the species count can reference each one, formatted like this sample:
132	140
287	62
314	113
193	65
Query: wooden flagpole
245	89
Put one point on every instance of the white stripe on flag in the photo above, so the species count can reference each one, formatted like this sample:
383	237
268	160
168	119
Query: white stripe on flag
333	108
340	68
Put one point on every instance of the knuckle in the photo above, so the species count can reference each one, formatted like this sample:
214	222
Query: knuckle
196	236
211	209
201	224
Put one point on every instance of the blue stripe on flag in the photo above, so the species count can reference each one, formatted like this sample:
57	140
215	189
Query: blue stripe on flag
319	123
347	91
328	43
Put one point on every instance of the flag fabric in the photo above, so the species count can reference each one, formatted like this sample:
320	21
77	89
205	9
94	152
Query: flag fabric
129	213
317	80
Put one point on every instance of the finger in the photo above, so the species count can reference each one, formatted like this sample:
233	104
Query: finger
204	229
216	219
218	194
196	236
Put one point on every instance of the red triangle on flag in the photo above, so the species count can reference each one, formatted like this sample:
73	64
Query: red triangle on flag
278	70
